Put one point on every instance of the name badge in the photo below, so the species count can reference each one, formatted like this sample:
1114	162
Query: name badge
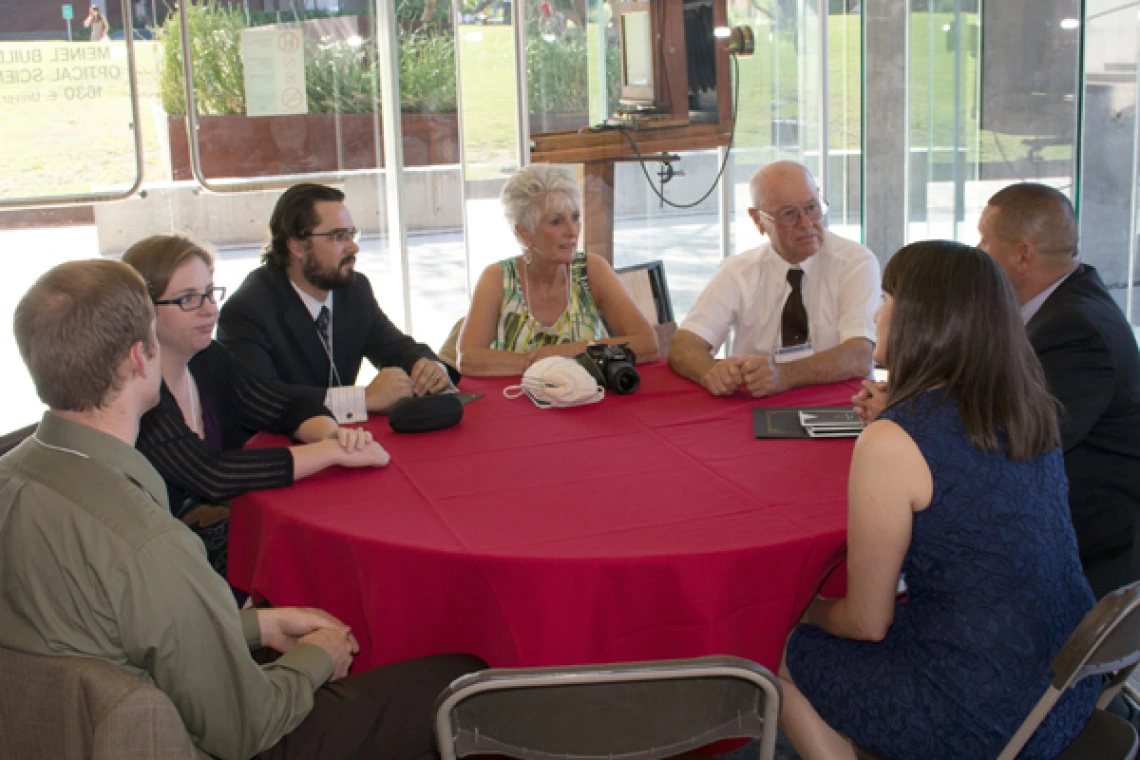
793	353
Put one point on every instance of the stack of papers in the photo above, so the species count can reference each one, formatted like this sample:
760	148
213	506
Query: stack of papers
830	423
805	422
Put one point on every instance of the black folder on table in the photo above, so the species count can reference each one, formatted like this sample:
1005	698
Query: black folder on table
784	421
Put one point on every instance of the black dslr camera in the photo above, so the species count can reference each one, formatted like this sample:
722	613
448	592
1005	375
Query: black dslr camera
611	366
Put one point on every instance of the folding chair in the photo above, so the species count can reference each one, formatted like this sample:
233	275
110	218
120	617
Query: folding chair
1106	641
647	286
625	711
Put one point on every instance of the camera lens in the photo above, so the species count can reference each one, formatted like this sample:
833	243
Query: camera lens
622	378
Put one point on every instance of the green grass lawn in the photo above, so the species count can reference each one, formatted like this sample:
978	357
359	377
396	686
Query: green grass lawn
70	132
75	136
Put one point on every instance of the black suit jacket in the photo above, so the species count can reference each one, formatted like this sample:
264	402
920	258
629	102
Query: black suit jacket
266	325
1092	365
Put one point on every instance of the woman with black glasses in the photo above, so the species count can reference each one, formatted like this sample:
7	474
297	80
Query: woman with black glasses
210	401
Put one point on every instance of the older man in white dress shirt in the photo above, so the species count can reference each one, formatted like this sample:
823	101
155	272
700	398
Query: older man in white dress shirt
801	306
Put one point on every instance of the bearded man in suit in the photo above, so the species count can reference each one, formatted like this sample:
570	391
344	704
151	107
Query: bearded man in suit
307	317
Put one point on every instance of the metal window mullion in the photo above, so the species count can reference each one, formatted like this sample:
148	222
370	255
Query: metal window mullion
824	110
522	93
959	144
1132	223
462	150
388	54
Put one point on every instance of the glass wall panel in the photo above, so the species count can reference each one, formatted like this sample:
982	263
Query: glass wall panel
992	101
56	144
845	118
1108	187
68	131
779	105
490	140
432	183
943	97
66	115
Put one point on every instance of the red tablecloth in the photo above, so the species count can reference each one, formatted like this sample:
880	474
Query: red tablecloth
646	526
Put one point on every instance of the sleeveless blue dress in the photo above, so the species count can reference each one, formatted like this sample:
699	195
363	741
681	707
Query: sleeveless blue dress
994	589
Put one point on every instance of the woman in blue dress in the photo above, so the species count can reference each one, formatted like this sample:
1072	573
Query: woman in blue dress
959	486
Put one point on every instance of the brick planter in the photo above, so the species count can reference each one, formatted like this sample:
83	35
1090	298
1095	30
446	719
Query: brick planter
241	146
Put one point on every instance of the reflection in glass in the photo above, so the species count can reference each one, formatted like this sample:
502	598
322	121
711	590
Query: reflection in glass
1108	186
65	114
993	101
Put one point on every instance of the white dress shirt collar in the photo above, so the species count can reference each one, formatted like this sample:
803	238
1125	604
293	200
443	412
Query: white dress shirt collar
312	304
1033	305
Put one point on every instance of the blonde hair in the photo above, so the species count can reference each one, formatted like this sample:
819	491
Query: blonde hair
531	190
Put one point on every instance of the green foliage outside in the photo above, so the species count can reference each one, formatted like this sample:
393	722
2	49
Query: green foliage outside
76	146
339	77
557	76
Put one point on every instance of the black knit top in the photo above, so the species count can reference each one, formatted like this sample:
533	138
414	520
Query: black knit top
241	403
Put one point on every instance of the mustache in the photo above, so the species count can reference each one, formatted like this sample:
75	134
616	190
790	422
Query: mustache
350	259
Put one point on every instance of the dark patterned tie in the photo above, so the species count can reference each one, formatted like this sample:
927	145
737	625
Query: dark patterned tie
794	320
323	325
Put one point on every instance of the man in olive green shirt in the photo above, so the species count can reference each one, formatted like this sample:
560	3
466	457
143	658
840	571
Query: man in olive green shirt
93	564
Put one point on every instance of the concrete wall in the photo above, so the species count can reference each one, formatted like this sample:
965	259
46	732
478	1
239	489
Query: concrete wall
243	218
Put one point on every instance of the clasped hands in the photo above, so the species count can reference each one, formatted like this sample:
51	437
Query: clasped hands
757	372
870	401
567	350
282	628
392	384
357	449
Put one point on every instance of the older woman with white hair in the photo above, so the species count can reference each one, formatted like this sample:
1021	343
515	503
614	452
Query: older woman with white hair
551	300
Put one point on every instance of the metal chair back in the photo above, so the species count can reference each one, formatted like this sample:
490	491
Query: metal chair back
643	281
625	711
1106	641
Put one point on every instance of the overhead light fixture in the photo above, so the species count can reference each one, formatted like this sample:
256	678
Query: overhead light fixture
1070	23
722	32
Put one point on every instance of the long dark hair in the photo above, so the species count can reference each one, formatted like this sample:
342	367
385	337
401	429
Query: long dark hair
956	325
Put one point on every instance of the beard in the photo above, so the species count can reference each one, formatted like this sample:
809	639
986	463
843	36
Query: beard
325	277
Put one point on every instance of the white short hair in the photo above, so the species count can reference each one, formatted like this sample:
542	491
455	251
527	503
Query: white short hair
530	191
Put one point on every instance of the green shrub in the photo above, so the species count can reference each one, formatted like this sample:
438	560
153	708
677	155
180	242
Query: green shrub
427	71
339	78
558	74
215	45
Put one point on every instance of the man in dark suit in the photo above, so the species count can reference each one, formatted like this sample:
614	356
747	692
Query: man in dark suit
1089	354
307	317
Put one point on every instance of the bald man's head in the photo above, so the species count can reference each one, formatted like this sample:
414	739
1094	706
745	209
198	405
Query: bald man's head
786	207
1035	213
769	178
1031	231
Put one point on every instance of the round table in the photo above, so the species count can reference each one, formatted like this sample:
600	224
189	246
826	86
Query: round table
645	526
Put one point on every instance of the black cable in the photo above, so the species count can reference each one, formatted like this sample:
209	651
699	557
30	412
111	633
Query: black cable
723	164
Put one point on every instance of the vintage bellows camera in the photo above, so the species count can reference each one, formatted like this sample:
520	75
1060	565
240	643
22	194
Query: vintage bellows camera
611	366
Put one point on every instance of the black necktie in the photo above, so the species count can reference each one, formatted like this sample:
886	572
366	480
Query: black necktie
794	320
323	326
